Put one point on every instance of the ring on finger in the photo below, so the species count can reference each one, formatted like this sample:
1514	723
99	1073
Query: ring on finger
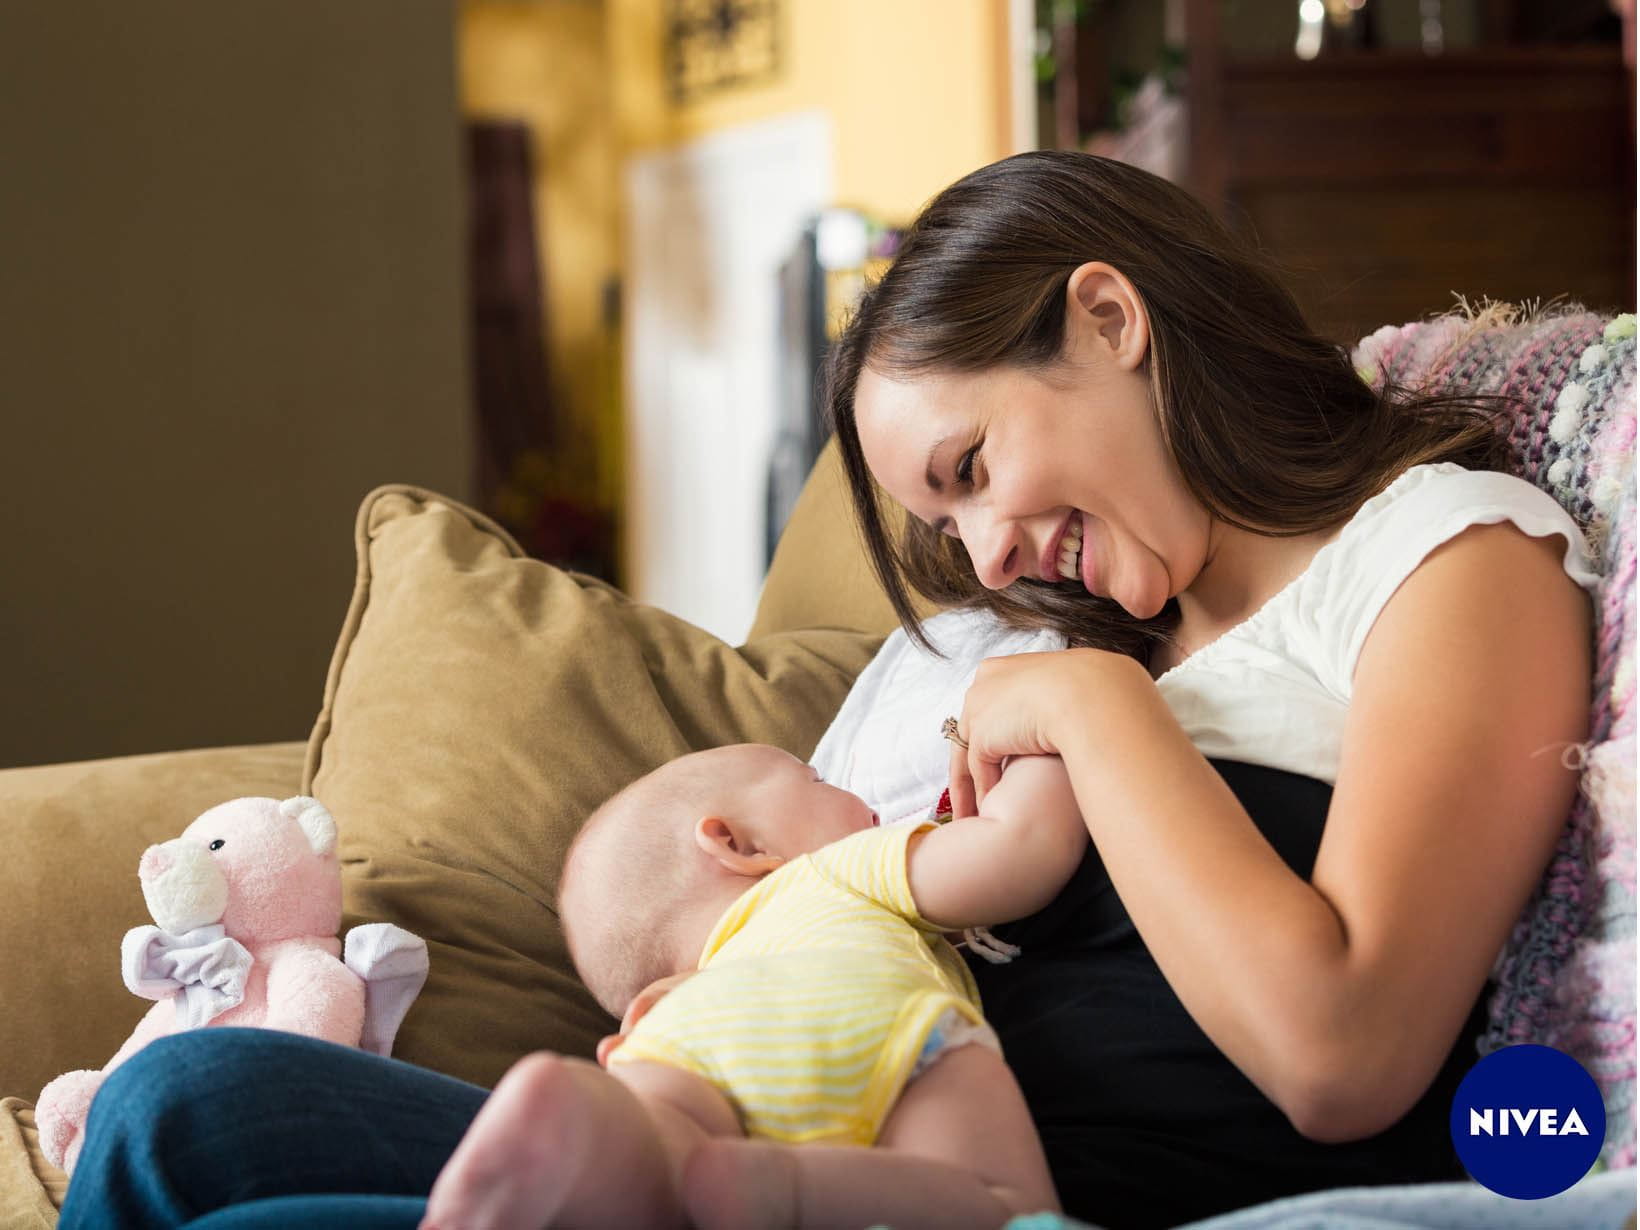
948	730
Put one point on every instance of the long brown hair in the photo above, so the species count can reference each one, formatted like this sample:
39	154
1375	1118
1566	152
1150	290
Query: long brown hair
1270	426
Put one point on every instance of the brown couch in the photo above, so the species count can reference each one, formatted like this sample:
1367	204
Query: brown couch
479	704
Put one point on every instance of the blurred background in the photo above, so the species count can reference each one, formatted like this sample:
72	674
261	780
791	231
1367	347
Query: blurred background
576	261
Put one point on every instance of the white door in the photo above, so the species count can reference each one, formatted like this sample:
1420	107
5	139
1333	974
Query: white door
710	224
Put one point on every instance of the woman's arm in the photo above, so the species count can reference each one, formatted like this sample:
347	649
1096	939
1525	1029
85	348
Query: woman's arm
1339	997
1007	863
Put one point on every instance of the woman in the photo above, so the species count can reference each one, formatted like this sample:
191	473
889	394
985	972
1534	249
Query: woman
1101	415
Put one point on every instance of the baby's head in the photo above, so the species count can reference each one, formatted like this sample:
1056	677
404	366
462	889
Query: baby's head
654	866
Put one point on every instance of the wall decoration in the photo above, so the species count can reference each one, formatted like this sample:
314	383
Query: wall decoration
712	45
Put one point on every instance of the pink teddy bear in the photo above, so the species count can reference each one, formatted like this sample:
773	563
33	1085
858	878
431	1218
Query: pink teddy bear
247	901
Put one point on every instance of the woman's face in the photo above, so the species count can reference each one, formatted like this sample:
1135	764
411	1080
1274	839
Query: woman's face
1018	465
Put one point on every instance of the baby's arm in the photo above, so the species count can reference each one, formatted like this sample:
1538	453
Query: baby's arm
1007	863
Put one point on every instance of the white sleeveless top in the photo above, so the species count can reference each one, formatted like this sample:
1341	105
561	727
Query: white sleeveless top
1274	689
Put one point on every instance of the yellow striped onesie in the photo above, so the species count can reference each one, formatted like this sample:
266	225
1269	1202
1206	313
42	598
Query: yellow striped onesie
818	989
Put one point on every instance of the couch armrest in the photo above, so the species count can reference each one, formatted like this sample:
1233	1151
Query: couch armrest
72	834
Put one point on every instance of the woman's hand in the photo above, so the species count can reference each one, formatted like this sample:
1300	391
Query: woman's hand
641	1003
1021	704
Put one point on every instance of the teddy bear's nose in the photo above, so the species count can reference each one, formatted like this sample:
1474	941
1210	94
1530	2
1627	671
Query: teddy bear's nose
183	885
156	861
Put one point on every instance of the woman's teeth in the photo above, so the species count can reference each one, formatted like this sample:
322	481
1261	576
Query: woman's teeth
1070	551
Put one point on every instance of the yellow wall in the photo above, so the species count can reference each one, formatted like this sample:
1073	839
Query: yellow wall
916	90
546	63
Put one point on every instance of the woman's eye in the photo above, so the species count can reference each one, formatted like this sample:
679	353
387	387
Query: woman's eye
965	465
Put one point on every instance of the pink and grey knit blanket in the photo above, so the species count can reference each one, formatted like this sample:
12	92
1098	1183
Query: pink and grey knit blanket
1567	976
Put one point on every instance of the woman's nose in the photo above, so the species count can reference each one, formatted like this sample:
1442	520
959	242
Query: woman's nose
996	555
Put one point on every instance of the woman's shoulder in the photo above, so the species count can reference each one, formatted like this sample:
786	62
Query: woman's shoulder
1422	511
1449	489
1303	645
1428	505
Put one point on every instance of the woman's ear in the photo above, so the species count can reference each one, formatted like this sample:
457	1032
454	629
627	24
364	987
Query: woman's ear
729	843
1103	308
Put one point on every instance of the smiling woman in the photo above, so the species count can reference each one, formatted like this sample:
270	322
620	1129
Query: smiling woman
1025	470
1286	717
1097	324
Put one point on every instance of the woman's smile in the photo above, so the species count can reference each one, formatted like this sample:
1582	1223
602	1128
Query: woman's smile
1064	550
1068	556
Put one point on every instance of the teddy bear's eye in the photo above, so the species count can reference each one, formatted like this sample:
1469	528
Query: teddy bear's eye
217	844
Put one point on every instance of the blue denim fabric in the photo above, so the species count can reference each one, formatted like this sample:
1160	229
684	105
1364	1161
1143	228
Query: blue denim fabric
214	1118
321	1213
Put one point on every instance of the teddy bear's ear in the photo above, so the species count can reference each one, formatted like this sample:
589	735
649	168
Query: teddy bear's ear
315	820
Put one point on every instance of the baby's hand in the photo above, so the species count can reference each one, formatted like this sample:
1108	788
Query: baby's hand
641	1003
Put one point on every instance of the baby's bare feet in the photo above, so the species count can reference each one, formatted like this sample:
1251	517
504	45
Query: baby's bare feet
741	1185
558	1139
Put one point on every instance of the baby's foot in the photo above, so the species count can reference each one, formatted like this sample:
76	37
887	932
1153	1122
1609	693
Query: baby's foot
558	1139
741	1185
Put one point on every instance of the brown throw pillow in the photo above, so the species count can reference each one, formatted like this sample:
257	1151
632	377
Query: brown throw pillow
479	706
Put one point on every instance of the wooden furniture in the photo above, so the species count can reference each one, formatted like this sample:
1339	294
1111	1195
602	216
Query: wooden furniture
1386	182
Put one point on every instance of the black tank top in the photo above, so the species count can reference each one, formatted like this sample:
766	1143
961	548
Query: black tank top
1145	1123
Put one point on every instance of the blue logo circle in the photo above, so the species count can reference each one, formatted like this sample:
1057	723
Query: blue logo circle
1528	1122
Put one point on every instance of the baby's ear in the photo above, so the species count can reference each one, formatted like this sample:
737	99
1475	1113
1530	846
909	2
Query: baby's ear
732	847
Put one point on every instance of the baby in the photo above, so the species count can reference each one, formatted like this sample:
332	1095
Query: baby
829	1012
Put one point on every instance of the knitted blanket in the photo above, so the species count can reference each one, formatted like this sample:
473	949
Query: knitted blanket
1567	975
